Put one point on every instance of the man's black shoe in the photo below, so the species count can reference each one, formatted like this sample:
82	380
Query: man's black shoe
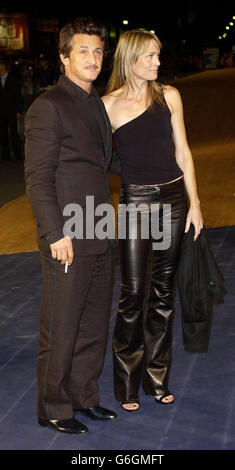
70	426
98	413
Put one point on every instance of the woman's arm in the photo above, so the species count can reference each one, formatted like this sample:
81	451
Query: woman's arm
184	159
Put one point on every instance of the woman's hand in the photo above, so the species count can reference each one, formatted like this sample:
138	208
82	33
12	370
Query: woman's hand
194	217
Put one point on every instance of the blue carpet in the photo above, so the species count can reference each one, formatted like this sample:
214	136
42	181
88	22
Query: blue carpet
202	417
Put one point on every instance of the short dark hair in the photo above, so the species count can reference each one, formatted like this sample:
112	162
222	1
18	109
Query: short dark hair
4	61
82	26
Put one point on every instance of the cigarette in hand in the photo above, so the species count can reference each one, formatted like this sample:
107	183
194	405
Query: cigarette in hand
66	267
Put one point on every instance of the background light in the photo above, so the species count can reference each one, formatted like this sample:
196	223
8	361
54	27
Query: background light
230	24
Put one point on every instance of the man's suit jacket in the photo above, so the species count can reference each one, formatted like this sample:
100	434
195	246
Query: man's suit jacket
10	97
64	162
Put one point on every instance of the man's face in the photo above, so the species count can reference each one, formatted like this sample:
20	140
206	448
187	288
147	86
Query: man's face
85	60
2	69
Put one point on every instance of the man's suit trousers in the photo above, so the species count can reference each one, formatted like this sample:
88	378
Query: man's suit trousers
74	322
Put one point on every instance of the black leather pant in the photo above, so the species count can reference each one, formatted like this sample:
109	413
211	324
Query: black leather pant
142	340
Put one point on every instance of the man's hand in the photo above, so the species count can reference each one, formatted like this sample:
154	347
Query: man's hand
63	250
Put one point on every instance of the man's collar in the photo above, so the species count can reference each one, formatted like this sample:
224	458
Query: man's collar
75	89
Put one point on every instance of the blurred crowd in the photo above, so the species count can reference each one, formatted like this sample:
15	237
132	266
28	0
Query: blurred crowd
23	79
227	60
34	77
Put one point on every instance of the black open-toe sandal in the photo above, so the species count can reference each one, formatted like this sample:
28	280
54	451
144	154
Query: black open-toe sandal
130	403
165	394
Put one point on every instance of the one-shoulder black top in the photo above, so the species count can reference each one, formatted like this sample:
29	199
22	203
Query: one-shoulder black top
146	148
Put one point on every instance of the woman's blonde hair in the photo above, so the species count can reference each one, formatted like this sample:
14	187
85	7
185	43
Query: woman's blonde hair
130	46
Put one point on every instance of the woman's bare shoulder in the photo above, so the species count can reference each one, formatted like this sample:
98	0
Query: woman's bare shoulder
112	97
108	100
172	97
170	91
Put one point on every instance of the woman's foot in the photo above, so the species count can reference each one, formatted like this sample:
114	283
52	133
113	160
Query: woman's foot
130	406
165	399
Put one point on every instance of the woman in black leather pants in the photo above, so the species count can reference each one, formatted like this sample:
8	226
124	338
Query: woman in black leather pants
157	179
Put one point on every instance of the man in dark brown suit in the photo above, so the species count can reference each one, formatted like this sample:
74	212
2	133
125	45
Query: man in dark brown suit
67	155
10	110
